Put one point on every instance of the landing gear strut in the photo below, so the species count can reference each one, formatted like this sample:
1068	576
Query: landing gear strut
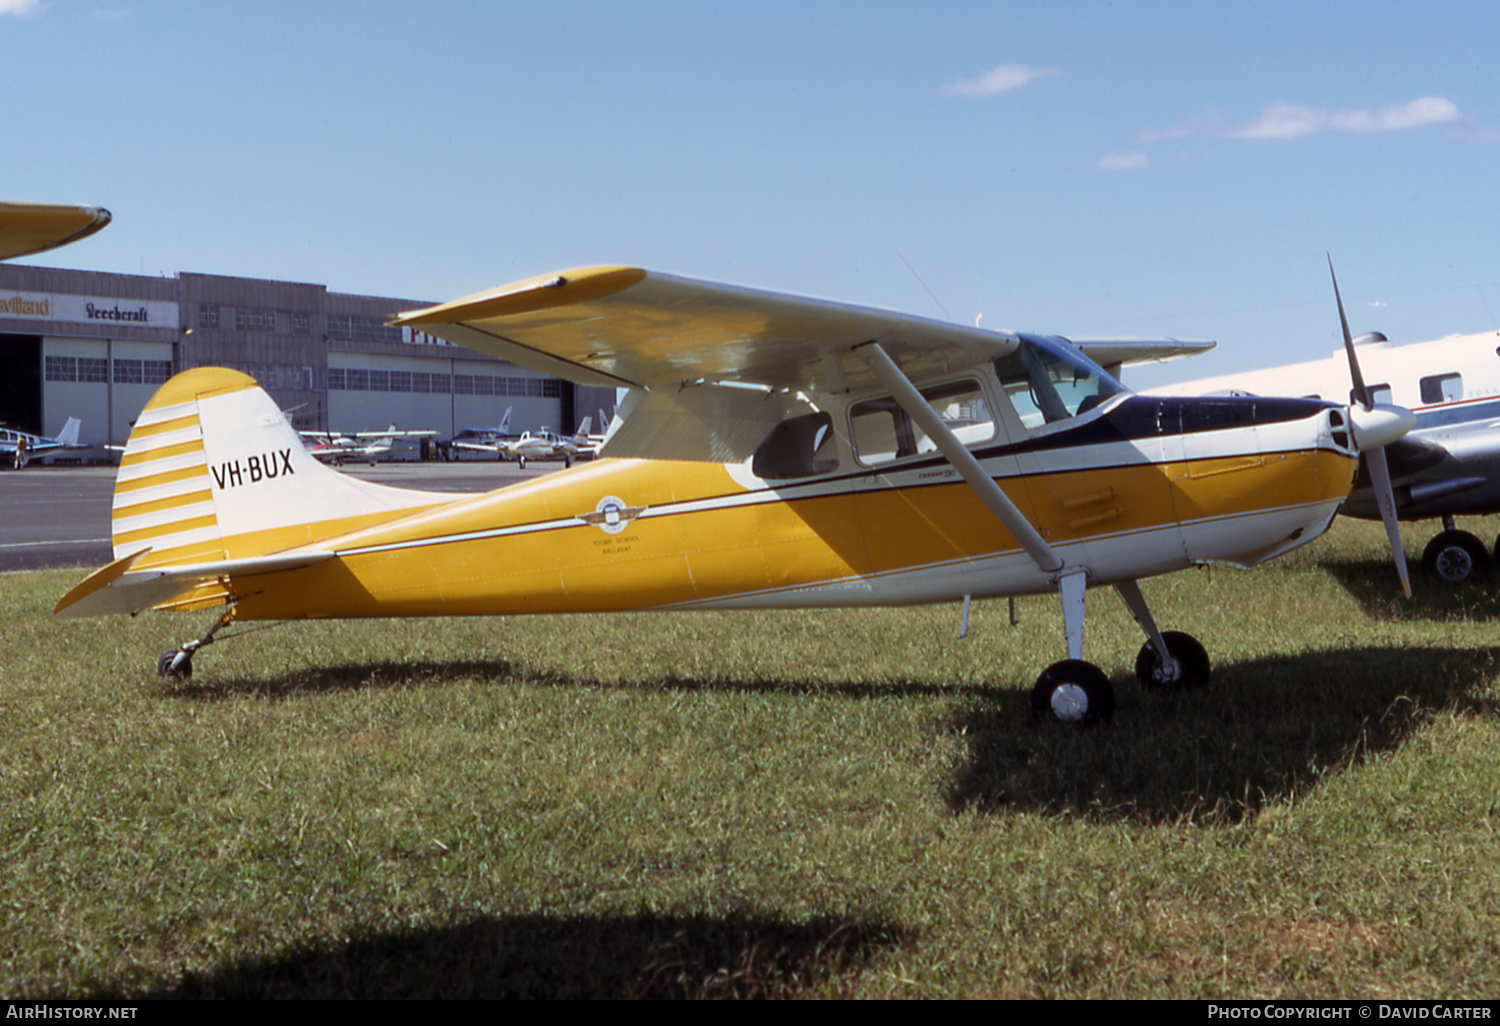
177	666
1077	692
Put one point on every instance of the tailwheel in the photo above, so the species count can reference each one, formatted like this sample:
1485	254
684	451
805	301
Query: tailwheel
175	666
1073	691
1456	557
1191	671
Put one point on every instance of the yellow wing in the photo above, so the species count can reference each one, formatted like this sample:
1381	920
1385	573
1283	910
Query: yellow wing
622	326
27	228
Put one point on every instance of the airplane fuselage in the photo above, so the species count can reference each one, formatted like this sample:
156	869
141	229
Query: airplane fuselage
1143	487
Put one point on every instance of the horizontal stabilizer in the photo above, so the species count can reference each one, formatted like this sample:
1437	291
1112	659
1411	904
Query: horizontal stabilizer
115	589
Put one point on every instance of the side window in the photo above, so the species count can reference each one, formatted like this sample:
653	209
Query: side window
1442	388
1378	394
798	447
881	430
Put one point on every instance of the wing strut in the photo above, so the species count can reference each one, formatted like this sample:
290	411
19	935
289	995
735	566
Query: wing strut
920	411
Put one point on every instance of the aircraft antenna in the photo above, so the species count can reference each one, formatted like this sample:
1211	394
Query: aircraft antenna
922	283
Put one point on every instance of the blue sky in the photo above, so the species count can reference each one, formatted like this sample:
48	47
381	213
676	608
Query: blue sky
1087	169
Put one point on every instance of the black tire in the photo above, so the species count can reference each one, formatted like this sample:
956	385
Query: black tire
1073	691
1193	665
183	671
1456	557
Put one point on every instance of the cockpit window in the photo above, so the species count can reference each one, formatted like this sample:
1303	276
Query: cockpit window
1049	380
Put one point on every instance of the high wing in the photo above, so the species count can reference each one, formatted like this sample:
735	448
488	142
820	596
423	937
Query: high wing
625	327
27	228
666	337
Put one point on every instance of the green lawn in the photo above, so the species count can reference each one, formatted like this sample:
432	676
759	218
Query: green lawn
827	803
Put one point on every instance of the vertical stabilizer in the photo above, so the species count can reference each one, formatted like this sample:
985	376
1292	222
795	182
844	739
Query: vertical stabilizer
214	471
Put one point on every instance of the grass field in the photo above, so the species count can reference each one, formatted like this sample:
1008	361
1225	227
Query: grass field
824	804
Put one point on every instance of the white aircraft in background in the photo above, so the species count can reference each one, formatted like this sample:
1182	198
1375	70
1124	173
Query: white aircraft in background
544	444
331	447
18	446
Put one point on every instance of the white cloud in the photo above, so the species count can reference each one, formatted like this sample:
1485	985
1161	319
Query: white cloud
1131	161
997	80
20	7
1288	121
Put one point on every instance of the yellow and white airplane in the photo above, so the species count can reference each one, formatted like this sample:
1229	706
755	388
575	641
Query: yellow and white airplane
777	452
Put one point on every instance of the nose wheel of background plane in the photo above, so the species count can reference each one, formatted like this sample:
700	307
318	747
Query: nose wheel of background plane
1192	670
1073	691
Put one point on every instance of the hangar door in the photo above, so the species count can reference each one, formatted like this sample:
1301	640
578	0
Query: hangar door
21	382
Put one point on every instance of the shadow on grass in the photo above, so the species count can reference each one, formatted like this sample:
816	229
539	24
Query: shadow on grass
641	956
1374	585
392	674
344	678
1262	732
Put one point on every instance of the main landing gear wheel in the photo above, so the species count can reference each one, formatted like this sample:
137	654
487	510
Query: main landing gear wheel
1192	663
1073	691
170	668
1456	557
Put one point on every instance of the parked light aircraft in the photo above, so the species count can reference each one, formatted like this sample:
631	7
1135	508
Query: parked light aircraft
490	440
18	446
781	452
1448	466
544	444
331	447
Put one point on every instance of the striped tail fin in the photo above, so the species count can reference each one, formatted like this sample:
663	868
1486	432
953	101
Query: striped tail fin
214	481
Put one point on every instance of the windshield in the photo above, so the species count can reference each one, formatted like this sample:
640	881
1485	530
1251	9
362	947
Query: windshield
1049	380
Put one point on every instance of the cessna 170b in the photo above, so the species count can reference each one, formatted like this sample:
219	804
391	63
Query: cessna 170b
778	452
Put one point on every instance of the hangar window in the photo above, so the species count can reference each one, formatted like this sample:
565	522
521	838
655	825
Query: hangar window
1442	388
208	315
61	368
882	431
254	319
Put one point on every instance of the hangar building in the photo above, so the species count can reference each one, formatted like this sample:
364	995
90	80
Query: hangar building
95	346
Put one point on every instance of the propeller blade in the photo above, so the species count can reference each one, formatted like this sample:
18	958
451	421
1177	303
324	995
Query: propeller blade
1380	478
1373	431
1361	393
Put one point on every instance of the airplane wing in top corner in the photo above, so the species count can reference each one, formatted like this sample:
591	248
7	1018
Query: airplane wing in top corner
27	228
626	327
